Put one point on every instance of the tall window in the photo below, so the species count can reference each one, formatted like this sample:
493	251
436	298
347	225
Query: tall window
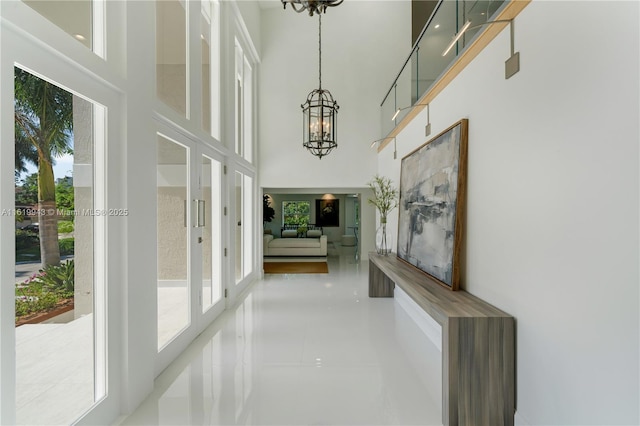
171	54
82	19
244	228
210	43
244	105
295	212
60	291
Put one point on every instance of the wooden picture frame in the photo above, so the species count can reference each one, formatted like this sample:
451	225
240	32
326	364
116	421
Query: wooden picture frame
432	205
328	213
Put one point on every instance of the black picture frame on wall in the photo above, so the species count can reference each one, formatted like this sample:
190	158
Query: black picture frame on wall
328	213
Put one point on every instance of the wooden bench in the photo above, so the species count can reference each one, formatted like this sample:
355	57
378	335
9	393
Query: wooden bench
478	344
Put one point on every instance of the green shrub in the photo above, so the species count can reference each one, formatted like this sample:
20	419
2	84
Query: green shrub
58	279
66	246
30	304
65	226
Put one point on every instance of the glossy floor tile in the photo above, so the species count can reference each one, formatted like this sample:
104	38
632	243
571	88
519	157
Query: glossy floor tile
305	349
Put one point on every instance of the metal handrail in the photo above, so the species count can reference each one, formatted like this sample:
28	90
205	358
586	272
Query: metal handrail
413	49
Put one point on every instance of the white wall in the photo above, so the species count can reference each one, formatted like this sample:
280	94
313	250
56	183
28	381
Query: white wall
358	66
250	12
552	207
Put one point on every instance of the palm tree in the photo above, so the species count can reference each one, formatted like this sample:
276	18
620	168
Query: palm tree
43	131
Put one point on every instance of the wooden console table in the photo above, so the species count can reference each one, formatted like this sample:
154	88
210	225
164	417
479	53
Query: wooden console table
478	344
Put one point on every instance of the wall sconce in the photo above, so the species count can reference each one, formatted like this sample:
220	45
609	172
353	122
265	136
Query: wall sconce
377	142
511	65
402	109
427	128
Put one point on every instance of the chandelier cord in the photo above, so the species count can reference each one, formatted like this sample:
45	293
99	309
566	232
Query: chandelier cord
320	51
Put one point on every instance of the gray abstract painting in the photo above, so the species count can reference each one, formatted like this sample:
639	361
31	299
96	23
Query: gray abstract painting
430	185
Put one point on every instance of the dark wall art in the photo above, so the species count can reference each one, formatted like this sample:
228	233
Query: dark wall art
431	210
327	213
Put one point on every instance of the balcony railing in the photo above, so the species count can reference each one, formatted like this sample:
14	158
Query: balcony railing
426	63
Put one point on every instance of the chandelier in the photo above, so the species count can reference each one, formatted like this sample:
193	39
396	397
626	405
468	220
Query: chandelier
317	6
319	111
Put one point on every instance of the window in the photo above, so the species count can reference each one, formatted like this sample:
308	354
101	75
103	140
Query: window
171	54
60	181
295	212
80	18
244	228
210	43
244	105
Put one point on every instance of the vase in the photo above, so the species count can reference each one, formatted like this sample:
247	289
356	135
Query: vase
383	239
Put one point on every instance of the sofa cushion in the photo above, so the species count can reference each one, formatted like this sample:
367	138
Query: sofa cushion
290	233
297	243
314	233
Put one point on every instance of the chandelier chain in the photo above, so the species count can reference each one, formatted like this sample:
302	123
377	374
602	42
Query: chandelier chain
320	50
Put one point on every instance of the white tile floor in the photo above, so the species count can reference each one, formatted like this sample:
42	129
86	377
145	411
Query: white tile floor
309	349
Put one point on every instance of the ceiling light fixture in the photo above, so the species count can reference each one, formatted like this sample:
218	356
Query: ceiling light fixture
319	113
313	6
512	65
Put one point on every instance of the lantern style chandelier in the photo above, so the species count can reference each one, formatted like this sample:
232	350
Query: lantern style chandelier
319	113
317	6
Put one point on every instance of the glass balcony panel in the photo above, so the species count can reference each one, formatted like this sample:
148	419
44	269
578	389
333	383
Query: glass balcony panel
434	41
426	64
387	109
477	12
403	95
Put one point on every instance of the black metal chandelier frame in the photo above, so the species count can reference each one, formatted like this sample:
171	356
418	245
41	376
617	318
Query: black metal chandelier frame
319	114
313	6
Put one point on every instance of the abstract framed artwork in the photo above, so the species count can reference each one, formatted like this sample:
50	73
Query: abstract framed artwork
327	212
432	205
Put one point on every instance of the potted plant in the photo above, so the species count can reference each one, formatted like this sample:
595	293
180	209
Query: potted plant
385	198
268	213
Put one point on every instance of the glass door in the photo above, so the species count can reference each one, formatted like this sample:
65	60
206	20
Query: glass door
189	241
173	225
209	238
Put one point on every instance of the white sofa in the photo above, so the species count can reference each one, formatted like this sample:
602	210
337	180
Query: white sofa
295	246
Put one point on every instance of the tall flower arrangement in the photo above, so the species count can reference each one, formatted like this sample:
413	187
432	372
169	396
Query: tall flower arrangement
385	198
